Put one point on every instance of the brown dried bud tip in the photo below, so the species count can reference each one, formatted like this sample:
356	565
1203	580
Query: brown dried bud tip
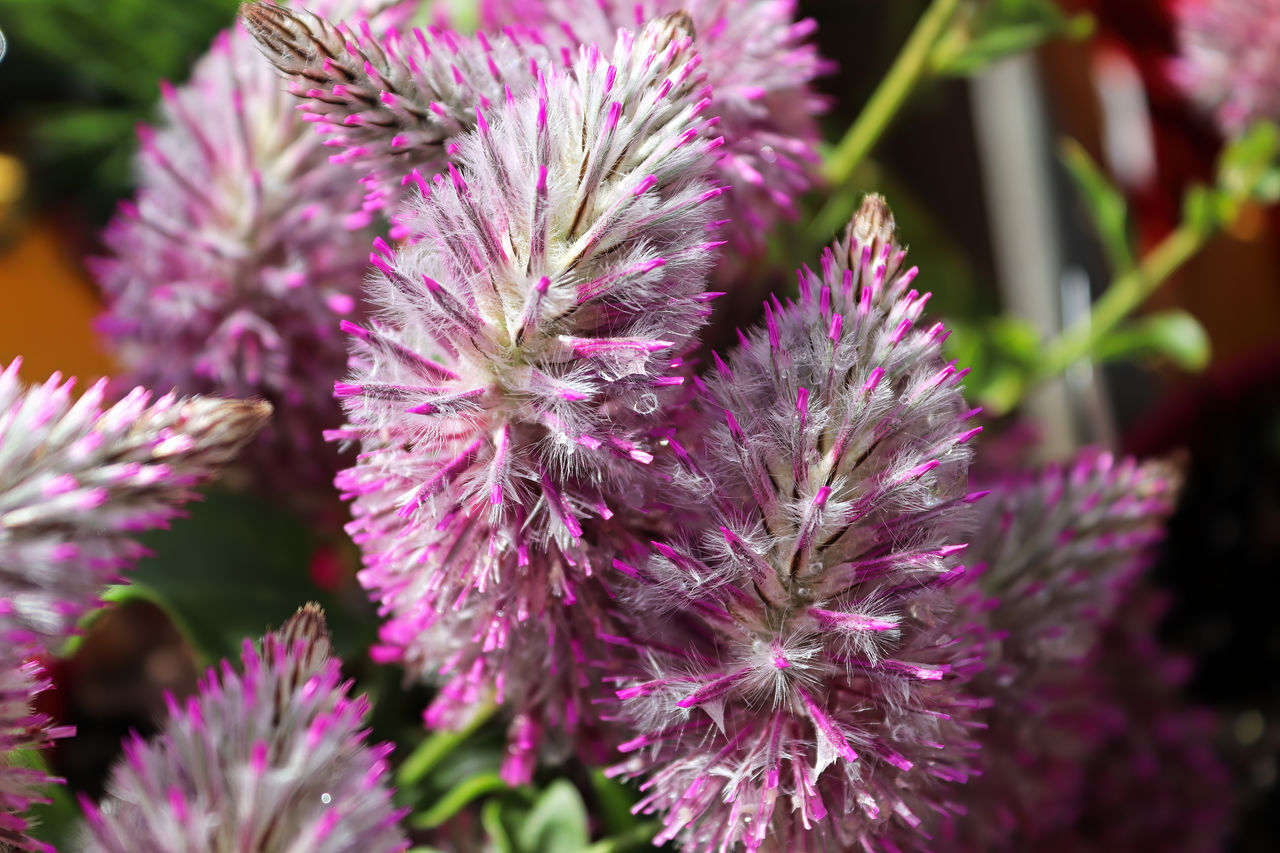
304	646
682	23
282	34
872	225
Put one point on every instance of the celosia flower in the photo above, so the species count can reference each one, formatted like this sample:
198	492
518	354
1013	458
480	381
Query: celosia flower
273	758
759	61
77	481
1055	554
527	336
390	104
230	270
808	693
21	680
1230	62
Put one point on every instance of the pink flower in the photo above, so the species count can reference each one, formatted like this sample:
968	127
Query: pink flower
273	758
527	337
78	480
388	104
806	689
759	61
1230	62
21	680
231	269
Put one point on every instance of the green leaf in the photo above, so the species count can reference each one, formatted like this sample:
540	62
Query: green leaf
989	30
557	823
1173	334
1249	167
613	804
1105	204
236	567
491	818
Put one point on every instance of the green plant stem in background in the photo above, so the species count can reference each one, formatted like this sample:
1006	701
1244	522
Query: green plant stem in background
910	66
640	835
439	744
1124	295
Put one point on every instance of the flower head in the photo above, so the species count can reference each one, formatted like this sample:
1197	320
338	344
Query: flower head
1230	62
230	270
391	103
78	480
21	680
759	62
272	758
810	657
1055	555
526	338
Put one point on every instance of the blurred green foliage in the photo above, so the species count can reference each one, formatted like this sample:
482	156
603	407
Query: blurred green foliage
80	74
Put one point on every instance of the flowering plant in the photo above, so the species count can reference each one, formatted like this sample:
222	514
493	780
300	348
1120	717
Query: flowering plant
777	595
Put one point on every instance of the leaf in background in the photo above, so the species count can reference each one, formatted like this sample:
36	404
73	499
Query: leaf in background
1173	334
1105	204
989	30
557	823
238	565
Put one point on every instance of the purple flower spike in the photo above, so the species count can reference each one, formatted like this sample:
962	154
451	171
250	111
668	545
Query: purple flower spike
273	758
1055	555
21	680
1230	62
231	269
77	481
393	103
759	61
808	693
528	335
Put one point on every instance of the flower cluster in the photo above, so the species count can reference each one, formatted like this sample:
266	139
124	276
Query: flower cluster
78	480
230	270
21	680
822	666
759	62
525	341
1230	58
271	758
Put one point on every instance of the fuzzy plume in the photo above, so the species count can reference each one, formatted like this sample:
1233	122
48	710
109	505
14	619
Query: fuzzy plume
393	103
759	61
526	338
1055	554
1230	58
229	271
78	480
21	729
810	657
272	758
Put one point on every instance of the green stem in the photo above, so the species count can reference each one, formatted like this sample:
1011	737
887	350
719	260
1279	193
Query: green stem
439	744
906	72
457	799
1124	295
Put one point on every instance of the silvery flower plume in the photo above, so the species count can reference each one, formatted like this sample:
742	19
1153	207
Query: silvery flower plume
1056	553
525	340
272	758
230	270
807	693
1230	58
78	479
760	62
392	103
21	729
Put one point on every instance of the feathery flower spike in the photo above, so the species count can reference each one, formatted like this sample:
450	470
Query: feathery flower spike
21	680
78	480
1230	58
817	700
390	104
1055	554
271	758
230	270
759	61
525	340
